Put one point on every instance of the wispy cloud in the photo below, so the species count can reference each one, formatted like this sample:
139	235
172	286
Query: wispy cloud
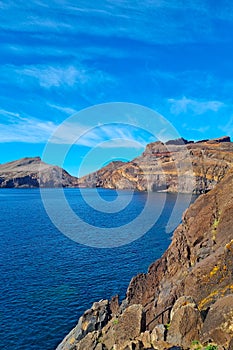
121	18
185	105
18	128
104	136
66	110
55	76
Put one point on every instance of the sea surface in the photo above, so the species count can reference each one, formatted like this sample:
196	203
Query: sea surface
48	280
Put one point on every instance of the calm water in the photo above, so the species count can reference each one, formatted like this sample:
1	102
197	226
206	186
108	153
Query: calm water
48	280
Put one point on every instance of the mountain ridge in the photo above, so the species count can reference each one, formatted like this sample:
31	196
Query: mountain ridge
175	166
32	172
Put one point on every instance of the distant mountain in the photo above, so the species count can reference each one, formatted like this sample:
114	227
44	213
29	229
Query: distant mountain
32	172
177	165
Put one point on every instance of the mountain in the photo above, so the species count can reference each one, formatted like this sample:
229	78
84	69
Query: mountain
185	300
32	172
178	165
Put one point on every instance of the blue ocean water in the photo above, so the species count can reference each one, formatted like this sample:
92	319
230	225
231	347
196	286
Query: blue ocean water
48	280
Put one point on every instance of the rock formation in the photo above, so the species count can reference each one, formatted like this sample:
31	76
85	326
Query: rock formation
186	297
32	172
177	165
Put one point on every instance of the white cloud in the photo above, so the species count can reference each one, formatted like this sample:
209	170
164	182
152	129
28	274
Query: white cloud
54	76
129	18
66	110
185	105
105	136
18	128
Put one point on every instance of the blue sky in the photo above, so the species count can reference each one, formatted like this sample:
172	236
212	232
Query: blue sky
61	56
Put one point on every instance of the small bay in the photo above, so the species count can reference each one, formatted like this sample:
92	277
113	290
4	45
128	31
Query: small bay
47	280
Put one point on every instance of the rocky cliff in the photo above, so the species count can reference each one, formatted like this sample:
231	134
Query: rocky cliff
32	172
178	165
185	300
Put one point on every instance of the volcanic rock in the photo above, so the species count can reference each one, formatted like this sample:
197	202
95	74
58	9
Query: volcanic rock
175	166
32	172
218	325
186	323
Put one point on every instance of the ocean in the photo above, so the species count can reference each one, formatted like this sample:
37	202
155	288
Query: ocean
48	280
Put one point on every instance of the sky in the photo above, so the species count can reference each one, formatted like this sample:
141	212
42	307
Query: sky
60	57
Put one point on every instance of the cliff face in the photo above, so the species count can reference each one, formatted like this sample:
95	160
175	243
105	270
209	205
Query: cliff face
178	165
187	295
32	172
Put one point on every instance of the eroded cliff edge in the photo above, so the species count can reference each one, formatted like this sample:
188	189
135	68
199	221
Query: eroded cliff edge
174	166
185	297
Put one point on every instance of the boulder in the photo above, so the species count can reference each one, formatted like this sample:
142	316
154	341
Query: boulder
186	323
218	325
158	333
183	301
114	305
145	339
119	332
89	342
92	320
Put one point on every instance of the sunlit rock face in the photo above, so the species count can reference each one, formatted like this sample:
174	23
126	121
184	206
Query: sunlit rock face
175	166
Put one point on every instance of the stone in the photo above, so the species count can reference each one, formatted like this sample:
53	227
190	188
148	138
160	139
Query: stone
128	326
114	305
158	333
88	342
131	324
183	301
218	325
91	321
134	345
145	339
96	318
185	326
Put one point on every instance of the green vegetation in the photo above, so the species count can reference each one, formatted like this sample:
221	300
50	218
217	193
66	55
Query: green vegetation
211	347
195	345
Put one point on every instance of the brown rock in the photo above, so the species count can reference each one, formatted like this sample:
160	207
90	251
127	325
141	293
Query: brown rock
183	270
178	165
92	321
128	326
185	326
114	305
183	301
145	339
158	334
89	342
218	325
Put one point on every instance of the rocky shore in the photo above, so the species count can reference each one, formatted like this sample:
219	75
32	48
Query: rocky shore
185	300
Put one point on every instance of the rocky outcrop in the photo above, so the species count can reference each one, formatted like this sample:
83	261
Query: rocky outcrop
186	323
177	165
186	295
32	172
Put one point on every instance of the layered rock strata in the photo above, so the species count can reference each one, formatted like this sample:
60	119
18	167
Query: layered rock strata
178	165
